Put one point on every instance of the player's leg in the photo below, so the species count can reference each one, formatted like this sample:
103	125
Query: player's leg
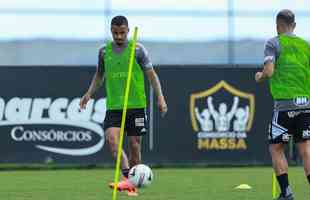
112	137
134	159
279	161
136	126
112	124
302	138
304	151
134	150
278	137
280	166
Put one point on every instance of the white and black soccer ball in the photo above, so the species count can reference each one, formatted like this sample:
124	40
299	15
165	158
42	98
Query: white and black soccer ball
140	175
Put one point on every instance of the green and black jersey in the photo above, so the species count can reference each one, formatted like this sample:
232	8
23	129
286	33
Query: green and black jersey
290	83
113	63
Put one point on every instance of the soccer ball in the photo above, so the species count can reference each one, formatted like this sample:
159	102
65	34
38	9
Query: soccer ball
140	175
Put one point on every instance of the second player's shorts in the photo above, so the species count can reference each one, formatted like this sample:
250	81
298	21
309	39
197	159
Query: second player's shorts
136	121
292	123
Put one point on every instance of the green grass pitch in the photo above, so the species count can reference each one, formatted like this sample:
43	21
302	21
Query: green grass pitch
169	184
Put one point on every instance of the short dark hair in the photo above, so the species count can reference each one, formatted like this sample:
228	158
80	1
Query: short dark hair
287	16
119	20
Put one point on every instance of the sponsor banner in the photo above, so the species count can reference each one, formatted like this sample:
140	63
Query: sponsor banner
216	116
40	119
223	122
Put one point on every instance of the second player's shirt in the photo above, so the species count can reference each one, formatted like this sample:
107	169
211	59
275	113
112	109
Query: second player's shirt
290	83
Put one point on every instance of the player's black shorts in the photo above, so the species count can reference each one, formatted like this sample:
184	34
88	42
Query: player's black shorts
136	121
292	123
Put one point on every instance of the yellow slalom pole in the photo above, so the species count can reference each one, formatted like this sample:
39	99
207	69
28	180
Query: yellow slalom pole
274	186
120	143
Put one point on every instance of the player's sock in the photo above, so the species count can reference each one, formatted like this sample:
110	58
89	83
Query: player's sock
284	185
308	177
125	172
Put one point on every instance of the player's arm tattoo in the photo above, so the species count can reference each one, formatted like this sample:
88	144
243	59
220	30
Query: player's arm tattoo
266	73
154	80
268	70
99	75
96	83
271	53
